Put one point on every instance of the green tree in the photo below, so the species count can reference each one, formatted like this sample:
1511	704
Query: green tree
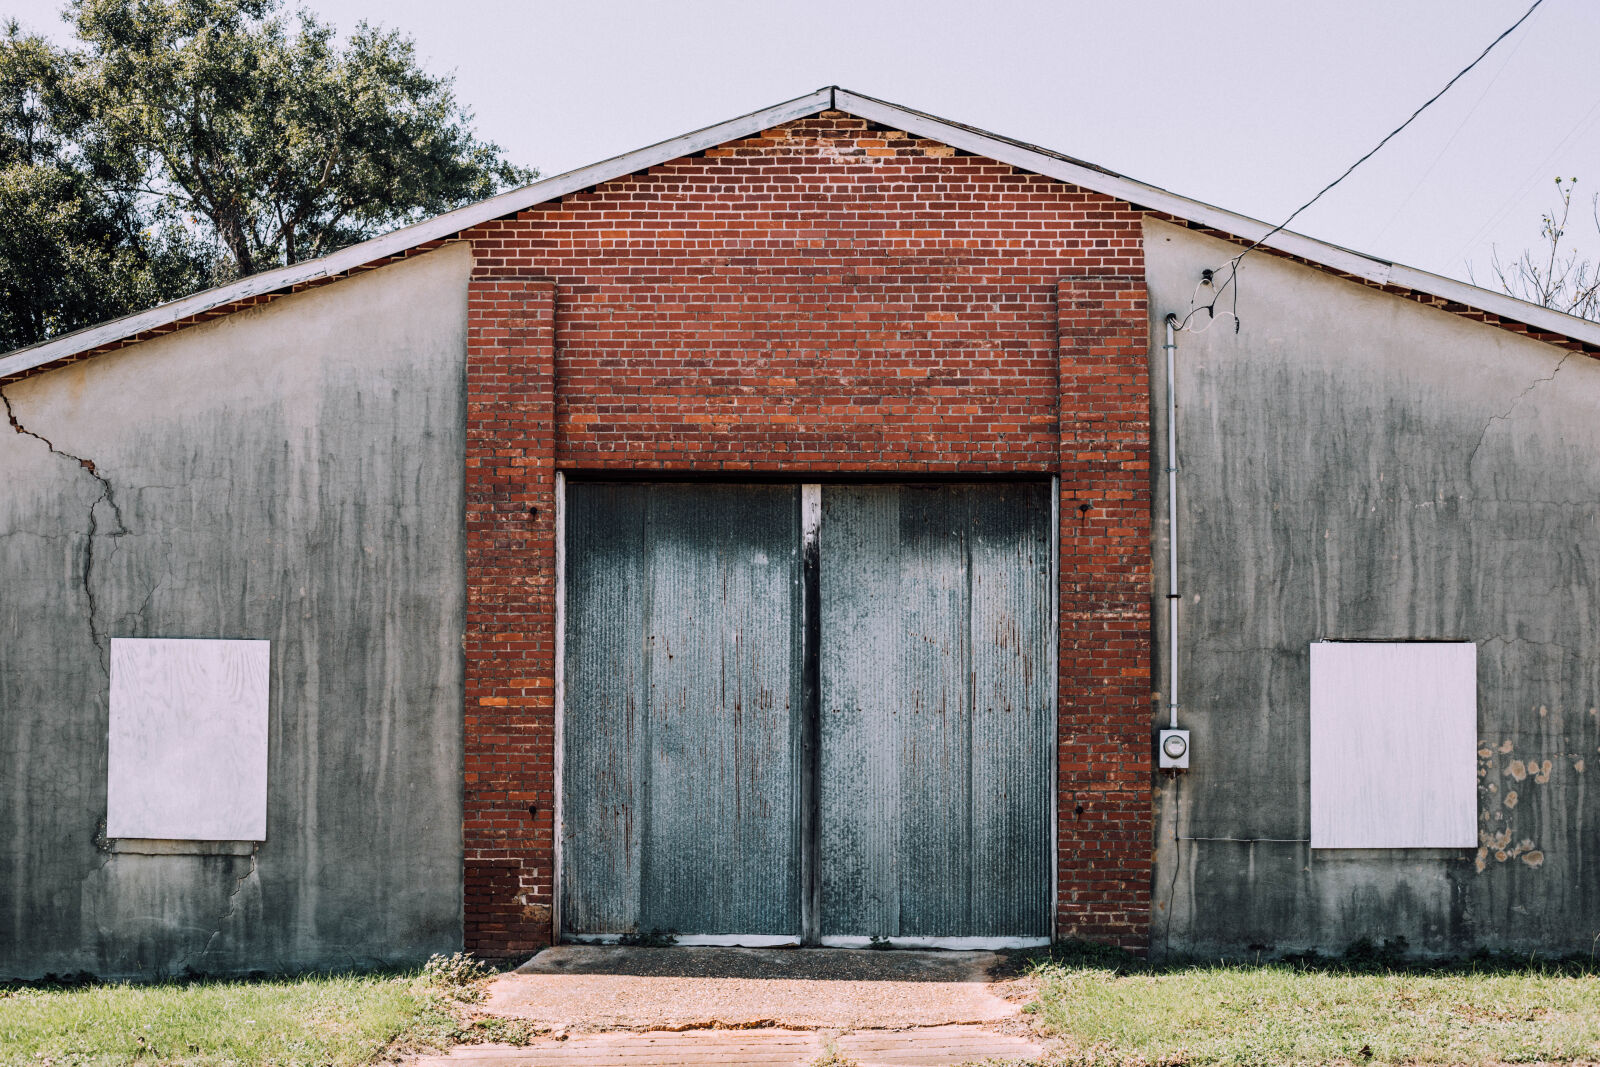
182	143
286	144
73	251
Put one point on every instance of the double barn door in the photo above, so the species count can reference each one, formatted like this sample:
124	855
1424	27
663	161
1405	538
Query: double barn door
807	713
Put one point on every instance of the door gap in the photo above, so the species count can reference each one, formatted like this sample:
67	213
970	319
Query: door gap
810	715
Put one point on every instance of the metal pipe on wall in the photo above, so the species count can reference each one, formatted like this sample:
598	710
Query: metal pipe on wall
1172	523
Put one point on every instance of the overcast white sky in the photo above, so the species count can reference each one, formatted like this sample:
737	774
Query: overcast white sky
1251	105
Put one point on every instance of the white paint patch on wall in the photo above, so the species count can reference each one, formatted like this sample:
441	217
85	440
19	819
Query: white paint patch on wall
1393	744
188	745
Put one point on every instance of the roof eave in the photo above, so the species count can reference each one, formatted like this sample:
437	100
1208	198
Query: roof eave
1015	153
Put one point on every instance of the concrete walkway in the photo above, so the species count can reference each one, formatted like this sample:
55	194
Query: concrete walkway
641	1006
940	1046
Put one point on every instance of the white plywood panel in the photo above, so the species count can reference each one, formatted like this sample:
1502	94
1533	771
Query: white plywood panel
1393	745
188	744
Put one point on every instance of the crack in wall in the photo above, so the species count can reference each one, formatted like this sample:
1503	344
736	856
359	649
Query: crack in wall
1506	414
144	605
233	906
108	497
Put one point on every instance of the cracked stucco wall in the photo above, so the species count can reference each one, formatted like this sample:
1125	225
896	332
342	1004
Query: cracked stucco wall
293	473
1357	466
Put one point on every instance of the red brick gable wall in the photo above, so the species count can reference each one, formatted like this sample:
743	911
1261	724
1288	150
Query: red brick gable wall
823	294
825	297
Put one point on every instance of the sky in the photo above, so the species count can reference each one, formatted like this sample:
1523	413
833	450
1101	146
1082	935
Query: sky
1250	105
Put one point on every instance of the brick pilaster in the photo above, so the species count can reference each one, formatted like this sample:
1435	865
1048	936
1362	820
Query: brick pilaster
1105	826
510	638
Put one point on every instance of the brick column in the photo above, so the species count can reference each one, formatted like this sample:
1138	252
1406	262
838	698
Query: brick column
1105	826
509	796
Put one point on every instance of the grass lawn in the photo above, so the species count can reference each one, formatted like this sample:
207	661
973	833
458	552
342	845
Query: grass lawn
336	1020
1107	1009
1102	1008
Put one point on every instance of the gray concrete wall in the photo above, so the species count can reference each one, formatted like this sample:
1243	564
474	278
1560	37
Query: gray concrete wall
1357	466
294	473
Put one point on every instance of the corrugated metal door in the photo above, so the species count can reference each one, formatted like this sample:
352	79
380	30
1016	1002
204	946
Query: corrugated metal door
771	730
682	711
936	727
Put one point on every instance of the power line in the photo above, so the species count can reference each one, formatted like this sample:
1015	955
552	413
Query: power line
1233	264
1473	110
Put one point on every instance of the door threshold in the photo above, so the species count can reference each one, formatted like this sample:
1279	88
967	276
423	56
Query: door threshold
951	944
696	940
947	944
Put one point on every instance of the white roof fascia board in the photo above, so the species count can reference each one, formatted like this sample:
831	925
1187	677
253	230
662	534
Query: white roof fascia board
1024	157
436	228
1370	268
1507	307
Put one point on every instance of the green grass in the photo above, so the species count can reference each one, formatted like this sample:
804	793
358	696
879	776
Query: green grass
337	1020
1102	1007
1360	1010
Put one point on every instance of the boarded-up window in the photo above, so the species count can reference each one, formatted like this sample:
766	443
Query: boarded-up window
1393	744
188	744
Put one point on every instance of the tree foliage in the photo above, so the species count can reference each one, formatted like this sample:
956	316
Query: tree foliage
1553	275
186	142
73	250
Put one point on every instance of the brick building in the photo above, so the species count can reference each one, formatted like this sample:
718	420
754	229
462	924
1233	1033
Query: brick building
760	537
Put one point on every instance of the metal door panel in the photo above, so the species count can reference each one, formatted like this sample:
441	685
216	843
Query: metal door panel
859	756
682	710
935	735
1012	611
605	700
